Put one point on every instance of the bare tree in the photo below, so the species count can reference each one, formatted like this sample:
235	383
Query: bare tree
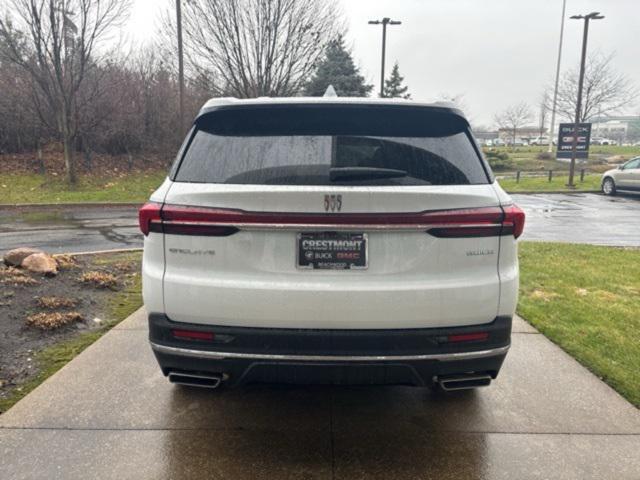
545	101
252	48
513	118
605	91
56	43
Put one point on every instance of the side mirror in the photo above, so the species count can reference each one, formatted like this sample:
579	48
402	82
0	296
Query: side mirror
621	167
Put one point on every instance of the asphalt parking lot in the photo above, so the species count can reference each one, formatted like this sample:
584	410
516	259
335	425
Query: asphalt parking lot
582	218
578	218
111	414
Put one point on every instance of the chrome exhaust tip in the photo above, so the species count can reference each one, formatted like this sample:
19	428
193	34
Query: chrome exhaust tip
463	382
196	379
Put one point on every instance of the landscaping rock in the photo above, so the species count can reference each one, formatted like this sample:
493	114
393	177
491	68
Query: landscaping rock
14	258
41	263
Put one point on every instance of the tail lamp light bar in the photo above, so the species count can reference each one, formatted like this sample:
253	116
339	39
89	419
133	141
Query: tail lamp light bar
459	223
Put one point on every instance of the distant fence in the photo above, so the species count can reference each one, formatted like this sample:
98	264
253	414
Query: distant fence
549	174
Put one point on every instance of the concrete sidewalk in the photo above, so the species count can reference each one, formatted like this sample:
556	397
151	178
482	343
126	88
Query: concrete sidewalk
111	414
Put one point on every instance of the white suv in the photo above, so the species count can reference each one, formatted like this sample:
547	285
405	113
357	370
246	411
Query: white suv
324	240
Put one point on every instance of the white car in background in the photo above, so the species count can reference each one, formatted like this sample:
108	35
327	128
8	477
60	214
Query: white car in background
539	141
602	141
325	240
625	177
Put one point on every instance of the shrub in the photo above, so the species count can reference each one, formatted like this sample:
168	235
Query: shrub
544	156
499	161
99	279
51	321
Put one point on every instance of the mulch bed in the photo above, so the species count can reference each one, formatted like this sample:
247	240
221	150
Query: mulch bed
38	311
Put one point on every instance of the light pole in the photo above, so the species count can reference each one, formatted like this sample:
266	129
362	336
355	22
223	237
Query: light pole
555	89
180	67
384	22
585	34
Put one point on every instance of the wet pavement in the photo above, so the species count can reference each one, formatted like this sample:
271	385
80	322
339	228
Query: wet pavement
111	414
578	218
582	218
70	229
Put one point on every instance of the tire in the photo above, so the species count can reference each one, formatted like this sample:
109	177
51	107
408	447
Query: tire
608	186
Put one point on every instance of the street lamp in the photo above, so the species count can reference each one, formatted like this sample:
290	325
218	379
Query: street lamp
555	89
586	18
384	22
180	67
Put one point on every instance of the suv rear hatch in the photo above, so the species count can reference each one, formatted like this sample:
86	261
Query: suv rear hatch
331	216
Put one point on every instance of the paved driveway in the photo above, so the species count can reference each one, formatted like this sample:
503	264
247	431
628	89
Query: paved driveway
111	414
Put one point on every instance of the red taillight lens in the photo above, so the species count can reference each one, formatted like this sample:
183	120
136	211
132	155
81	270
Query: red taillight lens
513	220
193	335
468	337
459	223
147	215
179	220
466	223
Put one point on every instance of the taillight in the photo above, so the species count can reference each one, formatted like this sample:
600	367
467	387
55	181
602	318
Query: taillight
513	220
465	223
457	223
179	220
149	215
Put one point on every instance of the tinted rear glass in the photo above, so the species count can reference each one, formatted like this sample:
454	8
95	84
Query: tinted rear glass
332	146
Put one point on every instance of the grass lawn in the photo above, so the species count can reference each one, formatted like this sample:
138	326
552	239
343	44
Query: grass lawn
542	184
586	299
33	188
137	187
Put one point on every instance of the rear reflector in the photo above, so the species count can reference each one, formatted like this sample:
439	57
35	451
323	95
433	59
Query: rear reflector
468	337
193	335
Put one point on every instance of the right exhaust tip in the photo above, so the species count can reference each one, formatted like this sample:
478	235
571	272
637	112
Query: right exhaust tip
463	382
196	379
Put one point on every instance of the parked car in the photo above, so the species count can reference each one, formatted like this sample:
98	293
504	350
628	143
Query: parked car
625	177
518	142
498	142
348	241
601	141
539	141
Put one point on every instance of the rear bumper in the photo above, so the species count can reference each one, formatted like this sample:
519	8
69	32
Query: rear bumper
407	356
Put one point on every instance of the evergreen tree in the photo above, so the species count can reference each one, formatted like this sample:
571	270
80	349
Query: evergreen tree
393	85
337	69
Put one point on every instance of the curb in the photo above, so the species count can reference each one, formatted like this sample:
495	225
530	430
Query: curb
99	252
35	206
94	252
553	192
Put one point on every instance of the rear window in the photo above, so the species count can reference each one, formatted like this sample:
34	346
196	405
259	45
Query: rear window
347	145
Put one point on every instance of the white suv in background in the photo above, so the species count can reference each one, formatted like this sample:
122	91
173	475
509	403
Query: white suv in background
324	240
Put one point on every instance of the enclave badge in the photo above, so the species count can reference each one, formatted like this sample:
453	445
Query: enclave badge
332	203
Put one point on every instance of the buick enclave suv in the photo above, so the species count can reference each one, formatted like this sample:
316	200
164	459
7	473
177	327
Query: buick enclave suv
326	240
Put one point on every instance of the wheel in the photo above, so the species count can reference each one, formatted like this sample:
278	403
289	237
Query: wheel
608	186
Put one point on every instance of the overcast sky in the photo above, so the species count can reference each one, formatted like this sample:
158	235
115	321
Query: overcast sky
494	52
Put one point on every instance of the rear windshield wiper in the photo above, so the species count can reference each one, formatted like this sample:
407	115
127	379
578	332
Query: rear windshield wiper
344	173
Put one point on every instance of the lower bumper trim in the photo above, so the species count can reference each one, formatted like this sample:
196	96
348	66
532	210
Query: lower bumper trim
441	357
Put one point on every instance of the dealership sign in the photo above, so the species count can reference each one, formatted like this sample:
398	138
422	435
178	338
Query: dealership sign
566	132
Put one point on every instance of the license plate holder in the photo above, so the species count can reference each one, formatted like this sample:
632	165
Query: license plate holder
332	251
